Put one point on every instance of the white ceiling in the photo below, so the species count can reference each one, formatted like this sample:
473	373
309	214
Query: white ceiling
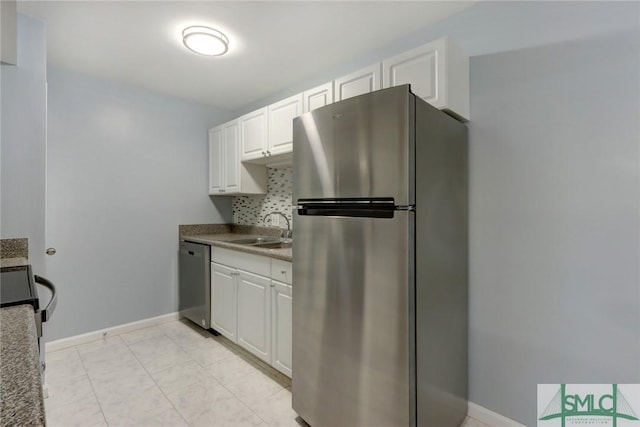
272	44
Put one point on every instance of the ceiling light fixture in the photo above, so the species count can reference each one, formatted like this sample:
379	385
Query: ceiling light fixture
205	40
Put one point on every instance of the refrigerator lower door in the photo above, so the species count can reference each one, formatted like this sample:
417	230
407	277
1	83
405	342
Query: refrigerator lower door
353	317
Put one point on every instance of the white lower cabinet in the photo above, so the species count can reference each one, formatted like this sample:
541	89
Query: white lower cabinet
254	322
281	324
223	300
251	303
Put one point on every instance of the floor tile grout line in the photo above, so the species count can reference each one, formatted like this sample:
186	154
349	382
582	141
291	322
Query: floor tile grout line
181	346
218	381
226	388
154	380
104	417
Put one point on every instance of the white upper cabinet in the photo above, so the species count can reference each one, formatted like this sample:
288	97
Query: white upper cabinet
438	73
216	160
253	134
227	175
317	97
231	156
362	81
281	115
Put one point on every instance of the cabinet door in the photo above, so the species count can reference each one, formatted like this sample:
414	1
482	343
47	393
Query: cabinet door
317	97
282	271
254	314
423	68
232	157
223	300
358	83
281	115
216	160
253	134
281	329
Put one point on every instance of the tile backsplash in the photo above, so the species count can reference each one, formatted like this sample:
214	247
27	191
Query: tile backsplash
250	210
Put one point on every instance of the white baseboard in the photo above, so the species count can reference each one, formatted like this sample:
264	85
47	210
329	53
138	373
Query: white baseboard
115	330
491	418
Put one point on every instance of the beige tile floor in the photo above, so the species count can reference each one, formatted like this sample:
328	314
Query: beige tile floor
169	375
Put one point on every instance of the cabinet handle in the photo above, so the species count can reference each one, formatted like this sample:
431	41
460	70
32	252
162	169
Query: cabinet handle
268	153
264	154
221	191
283	272
273	286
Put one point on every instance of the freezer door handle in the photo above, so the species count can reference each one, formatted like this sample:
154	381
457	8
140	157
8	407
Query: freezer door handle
383	207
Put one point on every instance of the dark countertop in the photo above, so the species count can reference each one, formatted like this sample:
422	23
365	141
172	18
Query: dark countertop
221	240
21	400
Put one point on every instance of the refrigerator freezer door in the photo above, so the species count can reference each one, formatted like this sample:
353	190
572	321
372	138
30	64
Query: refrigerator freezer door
361	147
353	355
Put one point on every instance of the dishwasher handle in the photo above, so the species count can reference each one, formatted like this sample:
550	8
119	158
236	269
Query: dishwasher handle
48	311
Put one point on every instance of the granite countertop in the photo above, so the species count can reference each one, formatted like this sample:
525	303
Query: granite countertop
21	400
222	240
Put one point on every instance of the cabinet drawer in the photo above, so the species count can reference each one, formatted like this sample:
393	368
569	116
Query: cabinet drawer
281	271
248	262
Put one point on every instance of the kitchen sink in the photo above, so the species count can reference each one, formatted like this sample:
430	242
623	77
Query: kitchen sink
255	241
273	245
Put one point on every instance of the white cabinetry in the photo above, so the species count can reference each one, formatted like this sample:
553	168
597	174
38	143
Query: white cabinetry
438	73
253	134
362	81
254	321
223	300
281	311
226	174
267	134
281	115
251	304
317	97
281	329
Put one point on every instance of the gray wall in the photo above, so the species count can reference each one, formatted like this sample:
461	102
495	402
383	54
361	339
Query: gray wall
554	224
23	141
554	193
125	167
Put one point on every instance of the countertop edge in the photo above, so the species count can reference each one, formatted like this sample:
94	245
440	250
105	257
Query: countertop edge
13	262
220	241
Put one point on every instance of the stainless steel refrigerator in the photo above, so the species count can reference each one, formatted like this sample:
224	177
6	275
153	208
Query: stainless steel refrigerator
380	263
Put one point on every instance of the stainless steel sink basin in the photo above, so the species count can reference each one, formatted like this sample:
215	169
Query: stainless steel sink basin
273	245
255	240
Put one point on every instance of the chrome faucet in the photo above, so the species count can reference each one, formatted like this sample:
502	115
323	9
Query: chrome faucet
286	234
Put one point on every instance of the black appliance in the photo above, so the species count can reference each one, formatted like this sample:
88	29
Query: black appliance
17	287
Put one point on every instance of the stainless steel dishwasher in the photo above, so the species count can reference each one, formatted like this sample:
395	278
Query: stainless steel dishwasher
195	283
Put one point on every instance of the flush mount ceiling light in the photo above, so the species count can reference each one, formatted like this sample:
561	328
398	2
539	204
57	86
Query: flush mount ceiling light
205	40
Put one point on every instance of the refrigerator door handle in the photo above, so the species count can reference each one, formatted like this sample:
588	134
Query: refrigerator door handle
348	210
410	208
